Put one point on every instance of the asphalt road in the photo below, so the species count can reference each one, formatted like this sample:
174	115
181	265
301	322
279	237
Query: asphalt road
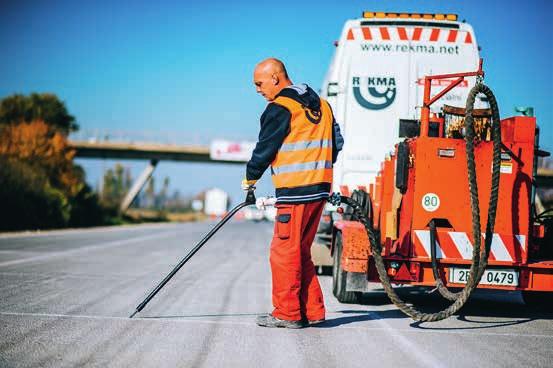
65	298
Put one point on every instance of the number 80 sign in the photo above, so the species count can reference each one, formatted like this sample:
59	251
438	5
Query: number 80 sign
430	202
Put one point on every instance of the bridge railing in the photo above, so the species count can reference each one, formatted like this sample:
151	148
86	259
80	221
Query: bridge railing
155	137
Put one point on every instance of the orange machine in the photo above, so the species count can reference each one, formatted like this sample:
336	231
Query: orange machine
425	179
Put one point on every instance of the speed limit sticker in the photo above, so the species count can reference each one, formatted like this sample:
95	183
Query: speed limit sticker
430	202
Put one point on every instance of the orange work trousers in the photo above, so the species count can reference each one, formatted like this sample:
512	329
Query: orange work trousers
296	290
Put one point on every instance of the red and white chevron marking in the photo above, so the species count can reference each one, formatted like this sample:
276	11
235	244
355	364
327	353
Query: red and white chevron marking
457	245
409	34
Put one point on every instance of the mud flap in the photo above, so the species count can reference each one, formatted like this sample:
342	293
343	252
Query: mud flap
357	281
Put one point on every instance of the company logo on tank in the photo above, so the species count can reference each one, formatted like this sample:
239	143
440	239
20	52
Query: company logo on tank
381	91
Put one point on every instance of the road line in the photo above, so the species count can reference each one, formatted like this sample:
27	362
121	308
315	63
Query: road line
114	228
85	249
388	328
113	318
426	359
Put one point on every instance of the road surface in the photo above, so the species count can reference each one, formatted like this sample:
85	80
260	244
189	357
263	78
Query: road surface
65	298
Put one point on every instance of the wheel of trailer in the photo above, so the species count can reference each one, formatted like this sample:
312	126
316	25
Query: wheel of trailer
339	276
542	300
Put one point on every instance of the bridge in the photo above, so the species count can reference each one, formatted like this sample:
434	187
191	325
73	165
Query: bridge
218	151
146	151
127	146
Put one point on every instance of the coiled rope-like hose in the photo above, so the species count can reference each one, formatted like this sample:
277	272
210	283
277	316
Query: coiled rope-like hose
479	261
469	139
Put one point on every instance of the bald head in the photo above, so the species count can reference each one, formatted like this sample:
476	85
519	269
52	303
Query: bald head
270	77
271	66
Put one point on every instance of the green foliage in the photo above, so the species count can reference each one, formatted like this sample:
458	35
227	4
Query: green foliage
28	201
47	107
40	186
116	184
86	209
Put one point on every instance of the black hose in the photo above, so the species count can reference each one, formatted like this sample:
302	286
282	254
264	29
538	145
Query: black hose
479	261
442	289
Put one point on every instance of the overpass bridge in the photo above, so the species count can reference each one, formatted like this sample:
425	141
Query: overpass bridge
147	151
218	151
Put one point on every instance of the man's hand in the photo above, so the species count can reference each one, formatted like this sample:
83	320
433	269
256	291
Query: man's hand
264	202
248	184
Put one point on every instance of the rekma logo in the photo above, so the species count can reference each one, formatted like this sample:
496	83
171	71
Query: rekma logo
382	91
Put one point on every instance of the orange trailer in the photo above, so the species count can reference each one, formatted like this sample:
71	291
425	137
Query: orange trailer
425	179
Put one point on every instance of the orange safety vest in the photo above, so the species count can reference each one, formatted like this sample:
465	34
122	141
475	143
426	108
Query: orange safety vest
305	157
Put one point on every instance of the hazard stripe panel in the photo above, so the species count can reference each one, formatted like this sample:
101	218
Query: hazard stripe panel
409	34
457	245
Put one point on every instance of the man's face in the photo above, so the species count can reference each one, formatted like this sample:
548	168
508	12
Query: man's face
266	84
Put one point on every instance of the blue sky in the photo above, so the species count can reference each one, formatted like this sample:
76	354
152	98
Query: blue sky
184	69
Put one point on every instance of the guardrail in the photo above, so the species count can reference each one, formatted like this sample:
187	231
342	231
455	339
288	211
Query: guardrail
154	137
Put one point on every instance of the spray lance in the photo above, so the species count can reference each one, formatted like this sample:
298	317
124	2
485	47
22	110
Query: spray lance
261	203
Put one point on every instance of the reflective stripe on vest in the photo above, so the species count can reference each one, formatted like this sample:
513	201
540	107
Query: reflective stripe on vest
305	157
303	145
315	165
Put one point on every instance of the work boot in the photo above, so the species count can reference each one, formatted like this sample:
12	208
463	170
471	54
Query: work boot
315	322
268	320
312	322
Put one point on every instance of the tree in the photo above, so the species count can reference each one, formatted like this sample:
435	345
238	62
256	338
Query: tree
117	183
17	109
28	200
45	149
163	193
150	193
40	186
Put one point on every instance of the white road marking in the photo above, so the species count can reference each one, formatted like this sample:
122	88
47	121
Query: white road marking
93	247
386	327
103	229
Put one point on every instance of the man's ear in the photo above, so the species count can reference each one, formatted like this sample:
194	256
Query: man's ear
275	79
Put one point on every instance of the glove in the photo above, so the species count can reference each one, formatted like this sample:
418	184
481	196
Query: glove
248	184
263	202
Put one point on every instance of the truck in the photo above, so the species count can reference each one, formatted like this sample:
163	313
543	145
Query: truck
375	79
216	202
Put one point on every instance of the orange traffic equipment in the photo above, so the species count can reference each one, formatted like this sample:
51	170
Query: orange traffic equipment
420	223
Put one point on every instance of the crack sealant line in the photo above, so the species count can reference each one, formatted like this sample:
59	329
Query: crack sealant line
85	249
410	347
394	332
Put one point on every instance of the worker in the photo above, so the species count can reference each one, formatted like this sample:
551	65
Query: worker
300	140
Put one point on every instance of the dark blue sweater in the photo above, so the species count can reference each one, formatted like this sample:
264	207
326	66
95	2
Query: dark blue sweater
275	126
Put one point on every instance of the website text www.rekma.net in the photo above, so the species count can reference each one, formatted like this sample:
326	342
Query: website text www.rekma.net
426	49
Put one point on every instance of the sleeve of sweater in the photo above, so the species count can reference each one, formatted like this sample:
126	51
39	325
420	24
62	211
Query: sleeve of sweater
337	140
275	126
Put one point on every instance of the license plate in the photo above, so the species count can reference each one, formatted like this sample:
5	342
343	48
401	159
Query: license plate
502	277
